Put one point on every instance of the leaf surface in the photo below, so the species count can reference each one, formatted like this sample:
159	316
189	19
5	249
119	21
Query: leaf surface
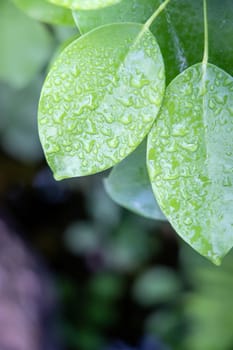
186	18
128	184
190	159
84	4
100	99
45	11
125	11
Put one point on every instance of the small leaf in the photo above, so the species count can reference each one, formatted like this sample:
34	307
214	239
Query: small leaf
46	12
100	99
25	45
84	4
128	184
190	159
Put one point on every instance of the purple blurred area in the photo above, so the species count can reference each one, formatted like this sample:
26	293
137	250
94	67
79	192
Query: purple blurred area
27	298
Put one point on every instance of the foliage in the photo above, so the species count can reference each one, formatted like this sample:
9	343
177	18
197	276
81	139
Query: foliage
105	93
208	307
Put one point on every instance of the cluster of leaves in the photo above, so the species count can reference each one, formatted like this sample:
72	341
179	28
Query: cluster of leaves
121	82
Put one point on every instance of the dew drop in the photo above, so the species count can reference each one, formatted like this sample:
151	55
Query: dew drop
126	119
188	221
113	143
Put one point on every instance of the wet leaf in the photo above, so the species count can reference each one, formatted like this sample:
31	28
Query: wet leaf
84	4
128	184
45	11
190	159
23	51
100	99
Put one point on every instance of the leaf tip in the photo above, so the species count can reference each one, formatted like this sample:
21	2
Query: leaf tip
216	260
59	177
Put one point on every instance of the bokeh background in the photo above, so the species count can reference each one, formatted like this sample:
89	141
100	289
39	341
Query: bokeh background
77	271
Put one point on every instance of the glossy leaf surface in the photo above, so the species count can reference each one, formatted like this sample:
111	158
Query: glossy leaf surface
23	51
128	184
189	30
125	11
84	4
45	11
100	99
190	159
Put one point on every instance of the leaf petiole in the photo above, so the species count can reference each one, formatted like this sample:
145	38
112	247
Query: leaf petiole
155	14
151	19
206	34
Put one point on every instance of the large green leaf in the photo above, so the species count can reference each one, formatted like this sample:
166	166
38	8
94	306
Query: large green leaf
100	99
84	4
25	45
46	12
128	184
190	159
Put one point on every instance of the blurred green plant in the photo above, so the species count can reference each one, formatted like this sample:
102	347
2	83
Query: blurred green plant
208	308
19	136
26	46
156	285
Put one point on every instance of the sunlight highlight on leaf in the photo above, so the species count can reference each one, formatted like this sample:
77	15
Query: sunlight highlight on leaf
84	4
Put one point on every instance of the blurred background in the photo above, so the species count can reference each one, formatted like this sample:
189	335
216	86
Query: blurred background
78	272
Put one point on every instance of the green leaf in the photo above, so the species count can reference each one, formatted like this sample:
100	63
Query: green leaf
25	45
125	11
100	99
128	184
84	4
190	159
46	12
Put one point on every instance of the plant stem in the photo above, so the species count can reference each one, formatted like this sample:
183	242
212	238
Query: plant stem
206	34
155	14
